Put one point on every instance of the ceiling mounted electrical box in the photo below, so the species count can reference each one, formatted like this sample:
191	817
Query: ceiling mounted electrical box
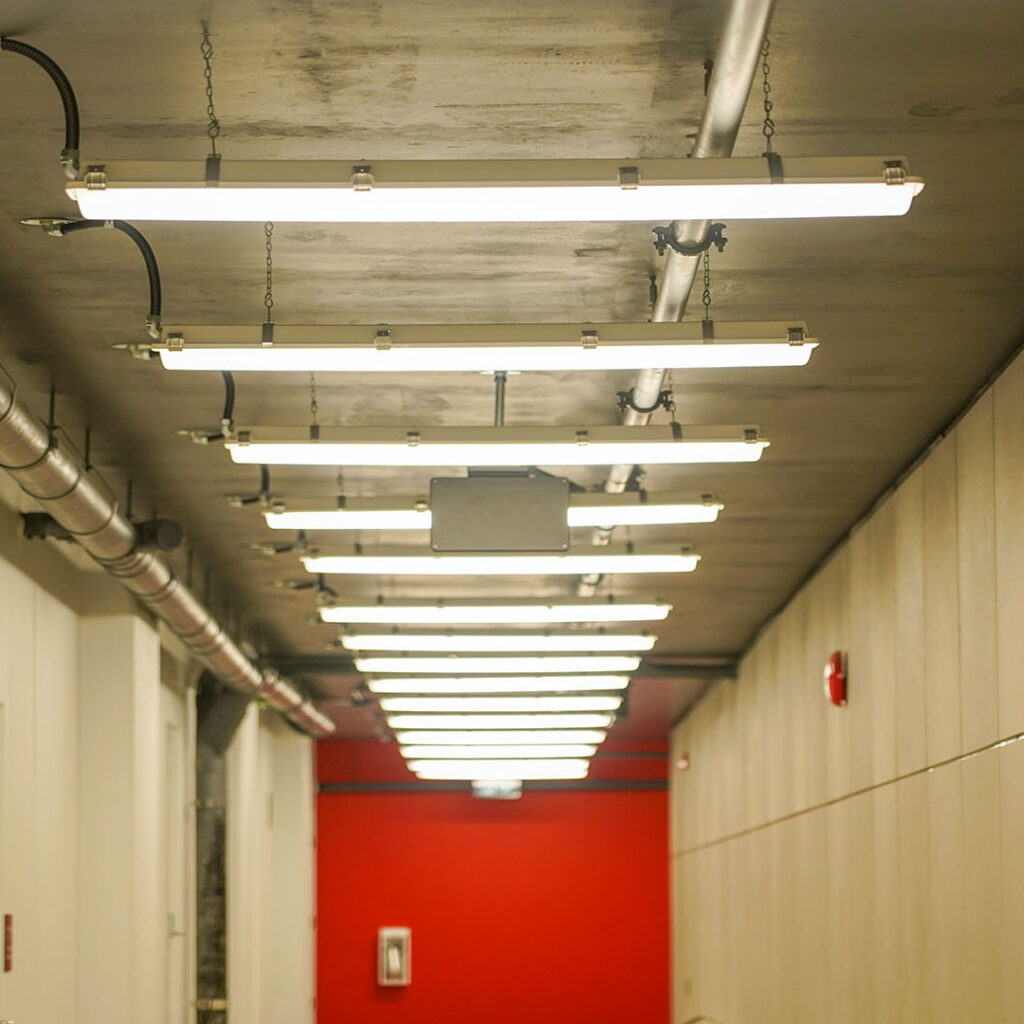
499	512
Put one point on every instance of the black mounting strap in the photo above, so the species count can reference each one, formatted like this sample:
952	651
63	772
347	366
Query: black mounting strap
665	238
626	401
775	168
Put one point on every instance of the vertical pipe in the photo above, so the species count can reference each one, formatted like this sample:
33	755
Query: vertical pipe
499	398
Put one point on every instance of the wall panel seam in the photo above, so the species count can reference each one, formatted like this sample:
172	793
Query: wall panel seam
958	759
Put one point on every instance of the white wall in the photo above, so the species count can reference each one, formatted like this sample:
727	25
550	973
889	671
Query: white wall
38	799
96	815
270	873
863	863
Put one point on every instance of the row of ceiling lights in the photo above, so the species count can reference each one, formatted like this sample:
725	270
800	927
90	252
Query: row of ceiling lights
519	711
499	717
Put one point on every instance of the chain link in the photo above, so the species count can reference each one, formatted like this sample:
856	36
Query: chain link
206	49
314	405
706	297
768	128
268	295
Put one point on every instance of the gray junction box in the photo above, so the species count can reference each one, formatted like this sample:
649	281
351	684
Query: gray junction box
499	511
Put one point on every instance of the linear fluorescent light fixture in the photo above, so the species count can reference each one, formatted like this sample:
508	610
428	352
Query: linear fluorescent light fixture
602	560
502	705
495	191
493	612
485	348
483	751
631	508
498	665
491	643
658	444
472	771
497	684
509	737
490	723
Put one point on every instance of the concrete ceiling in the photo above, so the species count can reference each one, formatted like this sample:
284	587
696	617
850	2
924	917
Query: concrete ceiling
913	314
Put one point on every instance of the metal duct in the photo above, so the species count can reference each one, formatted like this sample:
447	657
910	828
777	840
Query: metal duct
54	478
732	75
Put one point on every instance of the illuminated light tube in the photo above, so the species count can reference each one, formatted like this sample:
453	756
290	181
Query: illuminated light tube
529	768
484	348
497	684
493	613
501	705
511	737
658	444
490	723
487	752
604	561
496	643
631	508
497	665
495	191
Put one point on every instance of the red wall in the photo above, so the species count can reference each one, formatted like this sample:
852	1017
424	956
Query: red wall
552	909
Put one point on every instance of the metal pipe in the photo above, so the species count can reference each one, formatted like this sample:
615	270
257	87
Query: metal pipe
499	398
732	76
55	479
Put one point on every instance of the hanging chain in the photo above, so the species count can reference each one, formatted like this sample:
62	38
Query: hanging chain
768	128
706	297
268	295
314	405
670	397
206	49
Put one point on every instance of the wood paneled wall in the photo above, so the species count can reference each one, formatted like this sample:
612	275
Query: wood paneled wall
864	863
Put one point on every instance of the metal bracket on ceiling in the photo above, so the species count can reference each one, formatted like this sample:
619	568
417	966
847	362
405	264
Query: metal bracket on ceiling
629	177
96	177
212	177
796	335
894	172
382	340
362	177
665	238
626	401
589	339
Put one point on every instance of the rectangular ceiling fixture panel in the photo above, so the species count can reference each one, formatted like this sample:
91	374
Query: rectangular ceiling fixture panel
496	191
603	560
514	446
631	508
484	348
494	612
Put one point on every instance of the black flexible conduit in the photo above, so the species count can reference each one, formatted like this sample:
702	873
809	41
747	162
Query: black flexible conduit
67	95
229	397
152	270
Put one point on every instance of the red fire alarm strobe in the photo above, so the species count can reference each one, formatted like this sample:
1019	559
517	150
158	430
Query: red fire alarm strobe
835	678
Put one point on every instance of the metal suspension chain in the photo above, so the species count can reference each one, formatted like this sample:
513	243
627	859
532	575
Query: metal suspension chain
706	296
268	295
768	128
314	405
206	49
